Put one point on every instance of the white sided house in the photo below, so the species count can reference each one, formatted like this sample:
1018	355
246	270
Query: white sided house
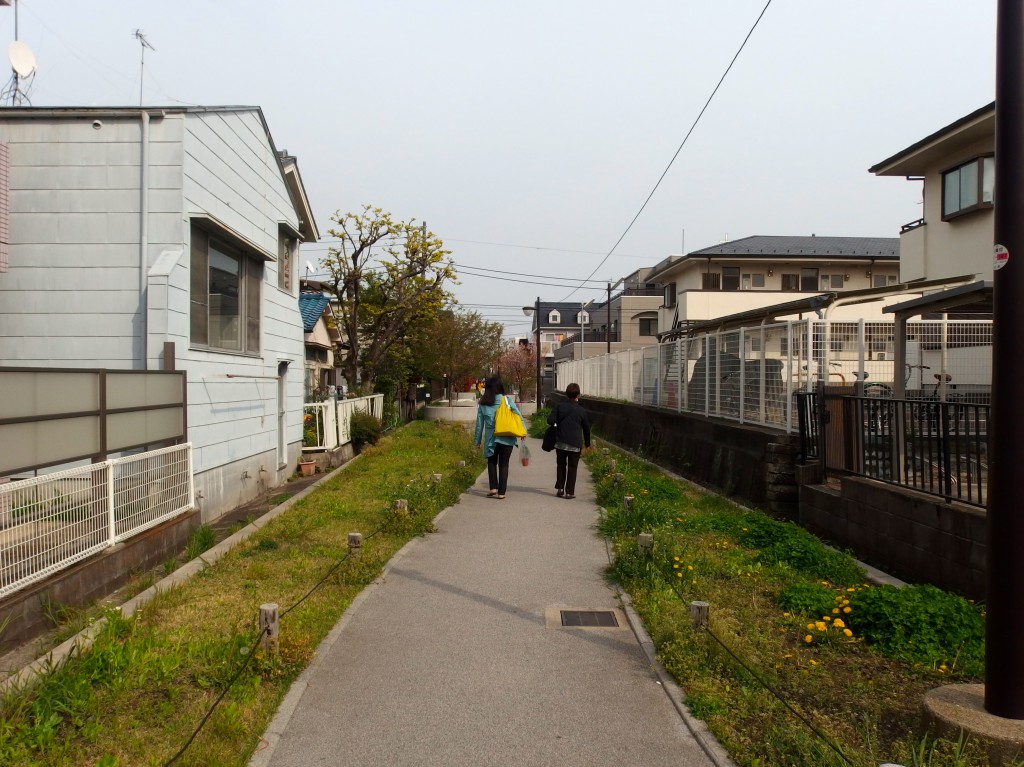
164	238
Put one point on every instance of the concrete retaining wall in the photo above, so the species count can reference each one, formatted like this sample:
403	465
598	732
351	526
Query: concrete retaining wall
754	465
911	535
27	612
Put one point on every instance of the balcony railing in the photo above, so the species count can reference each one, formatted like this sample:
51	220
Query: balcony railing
591	336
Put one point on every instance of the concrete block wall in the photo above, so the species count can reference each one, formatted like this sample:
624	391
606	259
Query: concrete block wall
753	465
911	535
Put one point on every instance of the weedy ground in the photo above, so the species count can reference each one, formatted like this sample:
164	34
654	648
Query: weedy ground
804	661
142	690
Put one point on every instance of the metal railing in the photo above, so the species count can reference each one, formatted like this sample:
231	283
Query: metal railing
752	375
925	444
327	425
50	522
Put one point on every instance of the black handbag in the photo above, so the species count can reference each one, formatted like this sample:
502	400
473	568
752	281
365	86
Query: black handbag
548	444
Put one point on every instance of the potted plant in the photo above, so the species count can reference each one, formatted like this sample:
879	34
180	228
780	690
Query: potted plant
307	466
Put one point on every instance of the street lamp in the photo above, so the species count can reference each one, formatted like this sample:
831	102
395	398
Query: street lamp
535	312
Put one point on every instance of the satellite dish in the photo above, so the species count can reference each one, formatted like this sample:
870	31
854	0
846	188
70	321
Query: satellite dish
23	61
309	268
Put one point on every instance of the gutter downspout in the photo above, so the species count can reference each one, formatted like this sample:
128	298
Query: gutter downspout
144	238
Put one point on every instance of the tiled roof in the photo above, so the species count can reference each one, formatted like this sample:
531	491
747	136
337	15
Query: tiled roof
311	307
808	247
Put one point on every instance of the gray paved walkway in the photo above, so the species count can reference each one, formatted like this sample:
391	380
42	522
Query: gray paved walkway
448	660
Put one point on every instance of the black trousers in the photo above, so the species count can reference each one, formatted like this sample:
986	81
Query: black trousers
497	468
567	462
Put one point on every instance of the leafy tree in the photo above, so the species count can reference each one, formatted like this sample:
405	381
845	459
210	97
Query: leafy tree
458	344
389	276
518	366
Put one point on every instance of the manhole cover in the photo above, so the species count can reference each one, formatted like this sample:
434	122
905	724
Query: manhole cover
589	618
559	617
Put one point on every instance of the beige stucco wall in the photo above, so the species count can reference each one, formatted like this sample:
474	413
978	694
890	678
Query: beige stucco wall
962	245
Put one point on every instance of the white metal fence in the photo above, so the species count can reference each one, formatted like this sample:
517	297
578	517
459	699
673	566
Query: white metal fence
50	522
750	375
326	425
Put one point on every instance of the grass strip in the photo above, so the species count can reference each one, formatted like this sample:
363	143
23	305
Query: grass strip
139	693
855	659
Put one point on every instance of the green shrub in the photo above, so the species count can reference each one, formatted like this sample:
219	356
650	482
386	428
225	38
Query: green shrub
538	423
811	599
921	623
365	428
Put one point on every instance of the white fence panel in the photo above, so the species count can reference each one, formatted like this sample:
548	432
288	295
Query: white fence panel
50	522
751	375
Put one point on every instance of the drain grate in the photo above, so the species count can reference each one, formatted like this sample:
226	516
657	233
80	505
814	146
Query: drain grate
589	618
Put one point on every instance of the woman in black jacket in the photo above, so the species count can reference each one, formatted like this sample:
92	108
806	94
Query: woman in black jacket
572	434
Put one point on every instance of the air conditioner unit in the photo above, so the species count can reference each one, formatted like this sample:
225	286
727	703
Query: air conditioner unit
881	356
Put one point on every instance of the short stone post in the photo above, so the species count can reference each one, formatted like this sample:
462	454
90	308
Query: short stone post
613	464
646	542
436	478
461	464
355	545
604	451
401	506
699	614
619	478
269	628
627	504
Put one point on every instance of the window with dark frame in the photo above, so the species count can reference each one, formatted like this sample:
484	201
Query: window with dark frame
752	281
968	187
224	295
648	326
670	295
711	281
730	278
791	282
808	279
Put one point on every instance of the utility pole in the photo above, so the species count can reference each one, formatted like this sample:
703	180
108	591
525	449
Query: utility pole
1004	653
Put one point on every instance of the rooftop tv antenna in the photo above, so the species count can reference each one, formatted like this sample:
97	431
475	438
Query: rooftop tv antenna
23	69
143	44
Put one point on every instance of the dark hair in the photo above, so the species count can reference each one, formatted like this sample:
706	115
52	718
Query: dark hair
572	391
493	388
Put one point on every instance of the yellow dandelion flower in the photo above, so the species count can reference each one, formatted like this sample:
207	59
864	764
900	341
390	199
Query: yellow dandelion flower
785	615
838	623
675	567
689	567
679	575
820	625
835	610
847	609
788	655
808	639
848	632
810	627
851	590
813	662
676	558
694	581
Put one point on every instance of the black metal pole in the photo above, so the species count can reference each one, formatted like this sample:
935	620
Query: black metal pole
1004	650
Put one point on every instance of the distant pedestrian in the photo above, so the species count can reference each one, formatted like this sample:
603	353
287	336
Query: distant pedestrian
572	434
497	450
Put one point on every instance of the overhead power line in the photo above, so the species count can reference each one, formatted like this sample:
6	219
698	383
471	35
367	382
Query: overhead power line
681	145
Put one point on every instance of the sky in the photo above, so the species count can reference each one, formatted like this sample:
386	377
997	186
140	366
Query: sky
529	135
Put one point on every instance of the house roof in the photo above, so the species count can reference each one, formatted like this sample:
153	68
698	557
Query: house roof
790	247
912	161
311	307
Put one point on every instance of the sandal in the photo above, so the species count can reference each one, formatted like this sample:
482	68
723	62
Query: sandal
491	493
500	497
